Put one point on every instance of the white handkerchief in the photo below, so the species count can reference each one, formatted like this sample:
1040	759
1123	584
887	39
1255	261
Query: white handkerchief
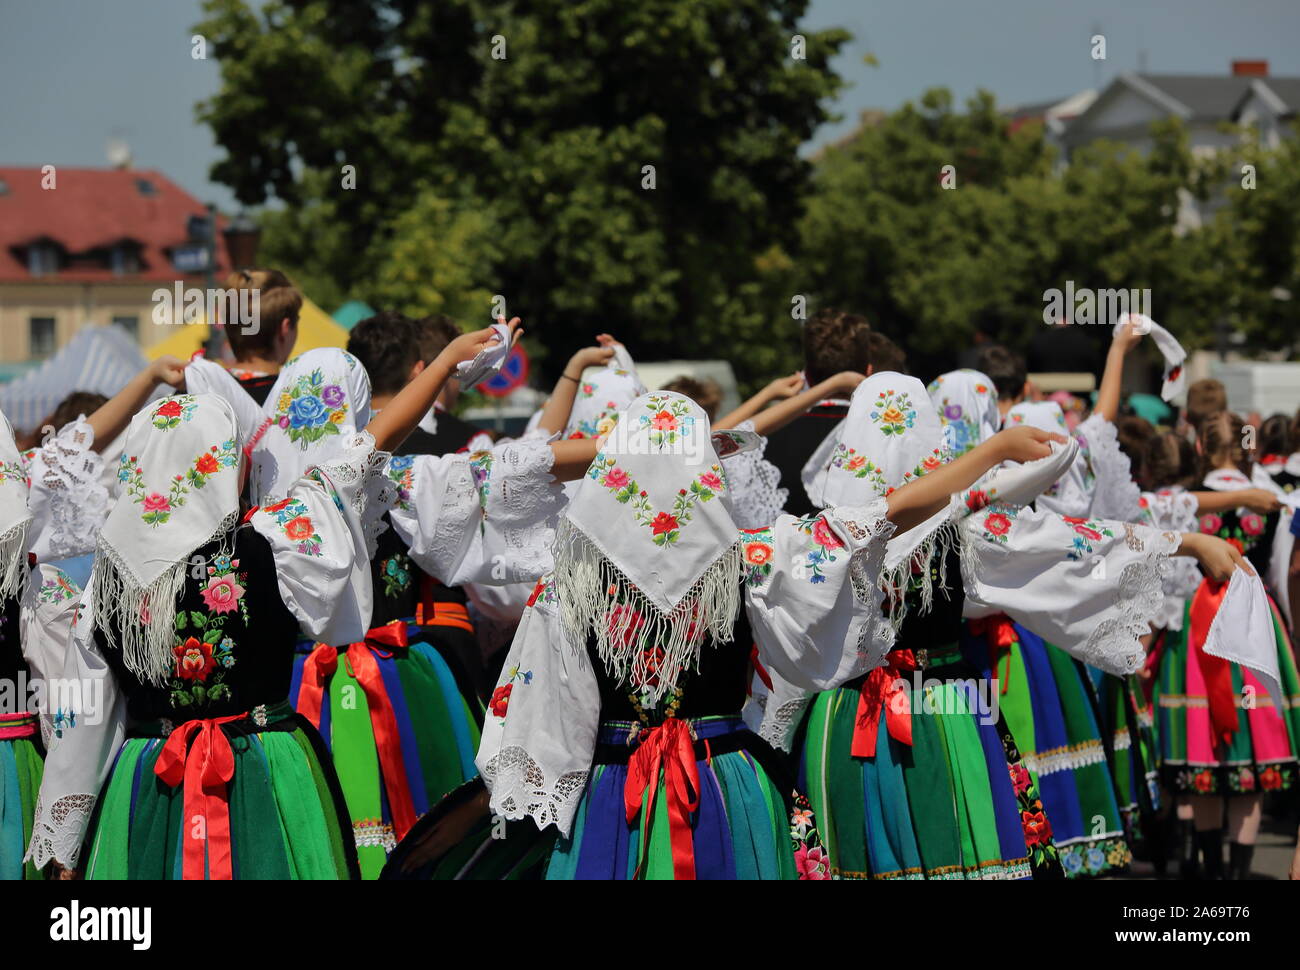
1169	348
1242	632
487	362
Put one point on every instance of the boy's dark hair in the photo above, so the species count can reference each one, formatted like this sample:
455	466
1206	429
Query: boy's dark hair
387	347
1205	397
1005	369
835	341
1275	436
277	299
433	334
703	391
885	354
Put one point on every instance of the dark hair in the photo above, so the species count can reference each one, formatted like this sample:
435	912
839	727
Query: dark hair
388	348
277	299
1205	397
1134	433
1275	436
835	341
433	334
1220	435
885	354
1168	460
703	391
75	405
1005	369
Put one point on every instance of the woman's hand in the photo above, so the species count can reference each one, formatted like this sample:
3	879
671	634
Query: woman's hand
168	370
469	345
1217	557
1261	500
588	357
784	387
1023	443
1129	335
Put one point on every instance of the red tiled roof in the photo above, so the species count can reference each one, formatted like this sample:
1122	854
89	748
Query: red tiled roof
92	208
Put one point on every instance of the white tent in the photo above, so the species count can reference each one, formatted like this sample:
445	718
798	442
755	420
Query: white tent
98	359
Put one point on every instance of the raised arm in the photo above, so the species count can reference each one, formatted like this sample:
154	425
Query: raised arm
780	389
924	497
1112	378
115	414
779	415
555	414
1258	500
404	412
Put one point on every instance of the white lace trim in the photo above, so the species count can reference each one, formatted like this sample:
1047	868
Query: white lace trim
756	499
57	833
779	724
1065	758
360	468
73	478
1116	495
1114	645
520	789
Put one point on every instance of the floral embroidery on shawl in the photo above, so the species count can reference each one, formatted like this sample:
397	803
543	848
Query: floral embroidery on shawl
665	527
893	412
311	409
173	410
157	508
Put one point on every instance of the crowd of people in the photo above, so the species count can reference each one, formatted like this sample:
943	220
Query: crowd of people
292	618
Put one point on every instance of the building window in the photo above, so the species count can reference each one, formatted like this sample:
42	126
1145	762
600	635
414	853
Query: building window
123	260
42	259
130	323
40	338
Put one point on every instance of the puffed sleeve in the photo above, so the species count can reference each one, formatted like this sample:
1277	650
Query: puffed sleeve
486	517
323	536
539	735
87	728
68	499
1115	495
1089	586
813	594
1173	510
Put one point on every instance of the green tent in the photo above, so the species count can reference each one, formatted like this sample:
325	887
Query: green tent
349	314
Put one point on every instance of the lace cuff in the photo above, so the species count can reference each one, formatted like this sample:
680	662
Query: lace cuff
1116	495
357	478
756	499
521	789
68	498
516	487
57	832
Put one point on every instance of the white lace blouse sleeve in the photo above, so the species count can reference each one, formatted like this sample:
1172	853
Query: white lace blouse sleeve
87	729
1174	510
539	735
46	611
323	536
485	517
68	499
1115	494
813	594
756	499
1089	586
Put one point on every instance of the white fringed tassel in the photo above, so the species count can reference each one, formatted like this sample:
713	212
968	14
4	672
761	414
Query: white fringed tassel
896	581
122	605
13	553
595	596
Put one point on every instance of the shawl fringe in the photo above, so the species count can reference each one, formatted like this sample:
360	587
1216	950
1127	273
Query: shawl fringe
940	541
122	604
13	554
596	597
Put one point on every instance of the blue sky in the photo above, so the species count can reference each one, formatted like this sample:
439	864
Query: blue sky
74	73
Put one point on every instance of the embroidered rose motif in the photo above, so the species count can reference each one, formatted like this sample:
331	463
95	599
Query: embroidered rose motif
812	863
501	700
207	464
307	412
615	478
1020	780
853	464
758	553
711	480
976	499
663	421
663	524
222	594
1211	523
156	502
1037	829
1252	524
952	412
1270	779
1204	781
997	523
823	536
333	396
194	660
931	463
299	529
168	409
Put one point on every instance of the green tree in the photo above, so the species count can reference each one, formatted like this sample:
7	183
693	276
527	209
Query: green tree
528	134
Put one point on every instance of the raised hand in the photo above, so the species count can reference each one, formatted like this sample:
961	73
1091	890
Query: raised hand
1023	443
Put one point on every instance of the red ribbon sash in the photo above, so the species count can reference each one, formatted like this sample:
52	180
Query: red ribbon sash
670	747
1000	636
205	767
323	662
884	689
1216	671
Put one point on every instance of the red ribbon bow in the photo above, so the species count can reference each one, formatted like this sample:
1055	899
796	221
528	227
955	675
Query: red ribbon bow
1001	637
1216	671
670	747
206	768
884	689
323	662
